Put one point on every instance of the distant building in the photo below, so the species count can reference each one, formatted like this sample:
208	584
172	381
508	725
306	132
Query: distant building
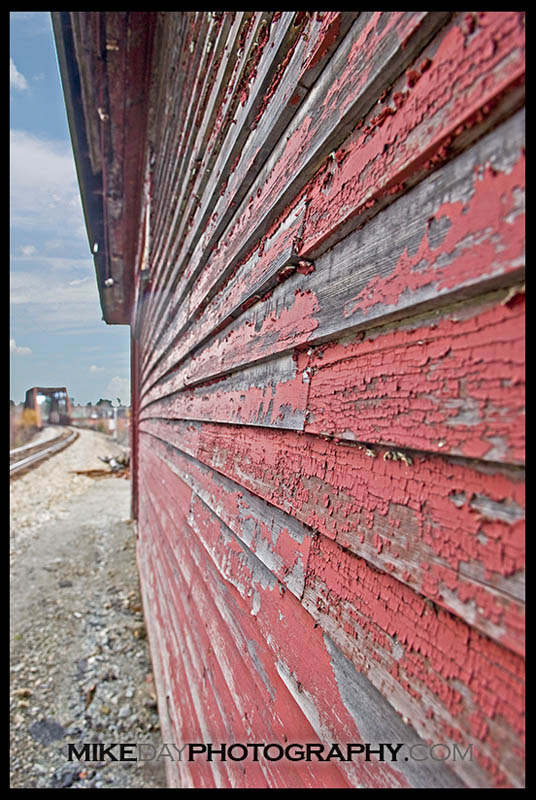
51	405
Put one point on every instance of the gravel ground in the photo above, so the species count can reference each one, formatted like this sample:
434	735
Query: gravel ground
80	667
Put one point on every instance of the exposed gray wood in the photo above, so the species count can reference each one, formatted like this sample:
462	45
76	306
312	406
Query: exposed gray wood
272	262
256	523
345	271
233	73
270	394
403	550
376	656
379	722
383	65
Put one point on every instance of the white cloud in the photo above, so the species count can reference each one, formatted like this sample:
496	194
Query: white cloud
19	351
28	250
119	387
94	368
44	191
50	289
49	302
53	264
16	79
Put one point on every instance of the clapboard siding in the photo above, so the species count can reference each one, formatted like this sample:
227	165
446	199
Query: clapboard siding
387	142
209	598
454	385
332	361
459	232
343	92
331	366
328	384
436	529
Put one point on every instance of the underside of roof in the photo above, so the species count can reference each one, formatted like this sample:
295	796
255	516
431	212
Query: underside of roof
105	65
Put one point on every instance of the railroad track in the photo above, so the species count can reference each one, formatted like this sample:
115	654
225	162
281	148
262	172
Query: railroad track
28	456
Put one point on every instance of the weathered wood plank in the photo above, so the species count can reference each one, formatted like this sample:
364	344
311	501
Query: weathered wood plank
223	643
280	622
447	382
272	394
302	64
389	153
222	659
156	646
182	157
181	73
249	38
460	232
169	41
328	378
278	540
177	76
453	383
261	605
459	88
432	640
270	42
197	718
179	716
368	60
272	261
308	51
451	531
365	63
177	577
420	658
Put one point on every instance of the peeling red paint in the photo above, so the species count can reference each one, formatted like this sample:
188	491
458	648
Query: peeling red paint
272	399
248	273
439	652
457	84
305	267
224	672
305	136
328	393
279	614
495	205
228	350
328	35
295	472
456	385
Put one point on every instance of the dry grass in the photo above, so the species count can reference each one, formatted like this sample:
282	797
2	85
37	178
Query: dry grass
22	426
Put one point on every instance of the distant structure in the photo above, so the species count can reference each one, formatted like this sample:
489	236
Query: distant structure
51	404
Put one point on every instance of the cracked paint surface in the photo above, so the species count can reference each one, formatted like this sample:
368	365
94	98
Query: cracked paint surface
328	385
455	386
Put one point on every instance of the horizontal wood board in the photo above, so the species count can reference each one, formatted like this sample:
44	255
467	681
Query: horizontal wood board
328	391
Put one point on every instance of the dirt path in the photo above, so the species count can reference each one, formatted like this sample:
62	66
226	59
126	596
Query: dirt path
80	665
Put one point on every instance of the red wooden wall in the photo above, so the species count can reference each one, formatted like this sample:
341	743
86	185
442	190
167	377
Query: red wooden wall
328	352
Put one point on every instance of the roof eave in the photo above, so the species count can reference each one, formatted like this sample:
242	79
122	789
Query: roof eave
105	63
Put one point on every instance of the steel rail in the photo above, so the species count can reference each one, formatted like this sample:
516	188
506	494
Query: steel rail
43	451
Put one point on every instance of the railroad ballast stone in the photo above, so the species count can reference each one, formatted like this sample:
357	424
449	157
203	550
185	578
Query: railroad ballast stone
80	666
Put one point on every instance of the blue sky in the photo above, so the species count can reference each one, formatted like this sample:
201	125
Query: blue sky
57	336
